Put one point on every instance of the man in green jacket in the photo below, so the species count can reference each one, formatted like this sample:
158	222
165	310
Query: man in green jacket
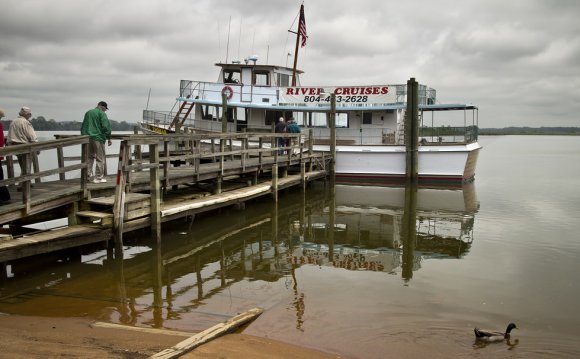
96	125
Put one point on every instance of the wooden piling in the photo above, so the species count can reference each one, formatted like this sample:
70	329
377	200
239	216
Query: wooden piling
119	205
411	131
332	134
155	192
275	182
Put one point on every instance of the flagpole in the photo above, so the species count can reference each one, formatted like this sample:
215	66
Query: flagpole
296	49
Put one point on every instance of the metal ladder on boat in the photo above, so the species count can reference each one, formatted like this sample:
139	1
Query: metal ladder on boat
400	132
181	115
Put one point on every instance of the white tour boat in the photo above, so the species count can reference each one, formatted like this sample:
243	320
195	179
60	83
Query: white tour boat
370	121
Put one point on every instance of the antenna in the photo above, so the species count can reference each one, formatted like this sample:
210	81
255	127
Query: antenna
267	54
228	45
219	39
253	39
148	97
240	38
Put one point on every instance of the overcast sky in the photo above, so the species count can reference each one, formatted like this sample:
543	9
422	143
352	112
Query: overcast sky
518	60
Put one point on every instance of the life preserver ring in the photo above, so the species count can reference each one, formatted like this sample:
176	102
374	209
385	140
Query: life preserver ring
228	91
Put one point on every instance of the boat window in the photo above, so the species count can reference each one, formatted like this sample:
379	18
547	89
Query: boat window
319	119
209	113
341	120
272	117
283	80
241	114
232	76
367	118
261	78
300	118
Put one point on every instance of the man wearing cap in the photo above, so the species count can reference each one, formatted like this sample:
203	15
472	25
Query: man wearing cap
96	125
21	132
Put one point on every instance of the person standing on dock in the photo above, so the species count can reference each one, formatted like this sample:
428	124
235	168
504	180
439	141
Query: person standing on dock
281	128
293	128
22	132
96	125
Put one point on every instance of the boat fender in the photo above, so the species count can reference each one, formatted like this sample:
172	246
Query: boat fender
228	91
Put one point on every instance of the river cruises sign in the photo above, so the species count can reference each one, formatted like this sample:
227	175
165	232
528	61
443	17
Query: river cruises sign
345	96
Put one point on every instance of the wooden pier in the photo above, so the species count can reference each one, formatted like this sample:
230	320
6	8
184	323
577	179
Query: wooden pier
158	179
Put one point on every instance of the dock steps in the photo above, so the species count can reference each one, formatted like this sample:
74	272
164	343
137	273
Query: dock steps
106	219
136	205
110	201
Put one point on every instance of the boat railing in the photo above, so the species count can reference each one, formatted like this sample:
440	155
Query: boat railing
356	136
448	134
157	117
212	91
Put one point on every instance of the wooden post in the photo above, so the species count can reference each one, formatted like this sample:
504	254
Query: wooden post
72	214
260	154
119	205
25	185
303	175
411	131
310	147
166	165
60	160
84	170
155	200
224	113
332	134
10	166
137	153
197	145
35	165
244	152
275	182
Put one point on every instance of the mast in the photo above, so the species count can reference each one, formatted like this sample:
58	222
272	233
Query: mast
301	32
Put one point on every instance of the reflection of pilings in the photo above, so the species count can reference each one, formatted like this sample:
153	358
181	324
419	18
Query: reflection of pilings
409	231
119	275
157	286
332	214
275	228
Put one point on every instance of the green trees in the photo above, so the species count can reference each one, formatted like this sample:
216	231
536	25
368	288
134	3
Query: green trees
42	124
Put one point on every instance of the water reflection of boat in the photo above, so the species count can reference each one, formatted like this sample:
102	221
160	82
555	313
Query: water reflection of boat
370	231
165	285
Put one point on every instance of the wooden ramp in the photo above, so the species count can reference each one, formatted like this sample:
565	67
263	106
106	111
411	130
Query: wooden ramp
51	241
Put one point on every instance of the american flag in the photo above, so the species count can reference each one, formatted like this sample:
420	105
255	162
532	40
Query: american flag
302	27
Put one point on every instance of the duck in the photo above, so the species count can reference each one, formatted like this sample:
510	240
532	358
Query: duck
491	336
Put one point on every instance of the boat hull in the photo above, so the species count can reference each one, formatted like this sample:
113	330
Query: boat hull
445	164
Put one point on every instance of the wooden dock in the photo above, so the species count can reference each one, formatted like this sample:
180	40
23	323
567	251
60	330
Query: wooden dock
174	177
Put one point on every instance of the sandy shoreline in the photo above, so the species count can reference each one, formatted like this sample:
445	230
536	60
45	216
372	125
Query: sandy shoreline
42	337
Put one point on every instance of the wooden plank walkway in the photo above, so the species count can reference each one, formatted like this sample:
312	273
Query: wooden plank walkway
92	210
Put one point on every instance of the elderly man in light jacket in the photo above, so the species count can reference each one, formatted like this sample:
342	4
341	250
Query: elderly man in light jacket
21	132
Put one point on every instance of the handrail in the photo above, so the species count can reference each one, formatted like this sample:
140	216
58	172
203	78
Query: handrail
29	152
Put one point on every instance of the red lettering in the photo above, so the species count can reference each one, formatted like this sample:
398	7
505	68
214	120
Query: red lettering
319	91
290	91
346	91
376	90
312	91
338	91
354	90
384	90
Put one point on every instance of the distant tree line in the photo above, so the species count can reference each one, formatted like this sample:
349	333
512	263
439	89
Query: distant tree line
41	124
569	131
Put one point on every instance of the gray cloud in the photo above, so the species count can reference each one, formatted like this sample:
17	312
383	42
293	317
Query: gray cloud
518	60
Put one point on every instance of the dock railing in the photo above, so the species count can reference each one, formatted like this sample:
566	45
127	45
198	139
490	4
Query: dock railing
28	154
169	152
